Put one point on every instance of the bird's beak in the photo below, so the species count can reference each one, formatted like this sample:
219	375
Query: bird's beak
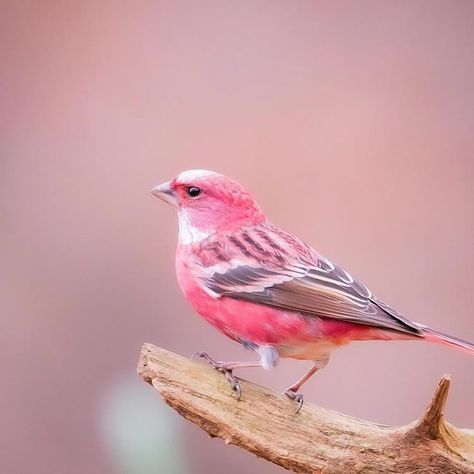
165	193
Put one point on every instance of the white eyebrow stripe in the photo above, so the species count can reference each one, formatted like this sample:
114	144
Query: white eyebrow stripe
190	175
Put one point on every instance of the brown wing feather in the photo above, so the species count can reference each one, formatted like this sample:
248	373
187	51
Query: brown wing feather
302	281
309	296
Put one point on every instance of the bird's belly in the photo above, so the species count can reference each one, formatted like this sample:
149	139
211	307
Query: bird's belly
314	350
249	322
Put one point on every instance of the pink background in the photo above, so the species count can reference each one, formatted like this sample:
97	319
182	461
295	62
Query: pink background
352	123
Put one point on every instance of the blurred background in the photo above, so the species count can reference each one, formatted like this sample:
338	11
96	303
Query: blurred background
351	122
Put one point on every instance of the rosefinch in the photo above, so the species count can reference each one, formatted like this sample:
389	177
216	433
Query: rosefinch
265	288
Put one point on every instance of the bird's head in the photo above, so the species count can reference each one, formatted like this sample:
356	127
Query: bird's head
208	202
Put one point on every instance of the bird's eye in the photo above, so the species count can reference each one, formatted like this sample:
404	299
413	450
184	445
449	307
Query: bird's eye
193	191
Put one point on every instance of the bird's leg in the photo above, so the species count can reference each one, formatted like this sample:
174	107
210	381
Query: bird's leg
227	369
292	391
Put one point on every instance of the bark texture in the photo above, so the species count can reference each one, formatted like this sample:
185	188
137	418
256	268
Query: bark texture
314	440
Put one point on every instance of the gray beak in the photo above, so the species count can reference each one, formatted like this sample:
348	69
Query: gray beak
165	193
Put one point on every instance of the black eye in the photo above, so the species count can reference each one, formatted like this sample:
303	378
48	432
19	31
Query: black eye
193	191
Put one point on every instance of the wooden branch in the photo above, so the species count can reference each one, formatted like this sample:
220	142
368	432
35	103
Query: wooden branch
316	439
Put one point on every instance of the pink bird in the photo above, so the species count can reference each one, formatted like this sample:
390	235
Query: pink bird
268	290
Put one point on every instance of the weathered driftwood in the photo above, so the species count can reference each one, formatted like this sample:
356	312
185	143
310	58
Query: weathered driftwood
314	440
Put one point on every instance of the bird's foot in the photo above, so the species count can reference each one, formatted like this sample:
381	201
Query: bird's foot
297	397
234	383
221	367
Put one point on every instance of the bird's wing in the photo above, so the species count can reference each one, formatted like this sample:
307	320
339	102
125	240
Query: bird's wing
311	285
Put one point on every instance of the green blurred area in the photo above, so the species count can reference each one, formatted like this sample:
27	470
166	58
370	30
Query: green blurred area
139	432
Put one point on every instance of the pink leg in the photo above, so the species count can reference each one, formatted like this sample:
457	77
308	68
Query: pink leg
292	391
296	386
241	365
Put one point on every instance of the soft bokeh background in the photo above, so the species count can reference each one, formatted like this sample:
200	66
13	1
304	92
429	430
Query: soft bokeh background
352	122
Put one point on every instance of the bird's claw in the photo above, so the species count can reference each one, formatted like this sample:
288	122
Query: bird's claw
234	383
205	356
221	367
297	397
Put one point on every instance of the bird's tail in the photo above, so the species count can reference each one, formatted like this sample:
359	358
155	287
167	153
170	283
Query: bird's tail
441	338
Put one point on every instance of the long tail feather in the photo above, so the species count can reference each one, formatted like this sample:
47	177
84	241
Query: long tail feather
448	340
